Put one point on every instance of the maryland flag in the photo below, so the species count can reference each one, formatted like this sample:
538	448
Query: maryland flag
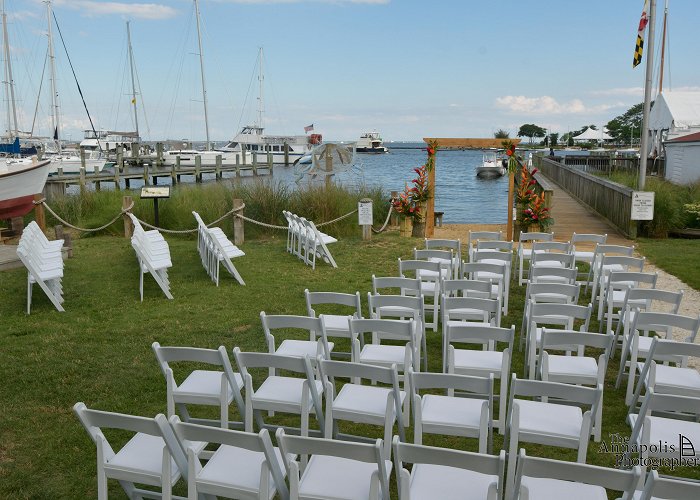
639	48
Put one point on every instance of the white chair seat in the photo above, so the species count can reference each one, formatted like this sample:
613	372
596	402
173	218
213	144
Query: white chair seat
232	467
677	378
474	360
202	386
277	393
450	411
300	348
336	323
550	419
667	430
427	287
363	403
383	355
548	263
575	367
546	488
429	482
330	477
395	311
584	256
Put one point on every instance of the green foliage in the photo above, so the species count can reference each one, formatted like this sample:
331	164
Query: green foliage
622	128
531	130
501	134
553	139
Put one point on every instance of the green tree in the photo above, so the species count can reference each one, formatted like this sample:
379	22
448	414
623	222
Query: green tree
553	139
531	130
501	134
626	127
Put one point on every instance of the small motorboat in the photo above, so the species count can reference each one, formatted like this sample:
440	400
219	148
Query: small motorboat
492	166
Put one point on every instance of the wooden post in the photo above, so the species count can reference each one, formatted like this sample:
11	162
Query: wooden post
286	154
509	211
82	179
116	179
365	219
329	167
159	154
146	175
243	151
39	214
255	163
394	221
269	162
59	232
217	171
177	167
17	225
198	168
128	225
238	167
68	244
429	215
120	158
238	227
97	180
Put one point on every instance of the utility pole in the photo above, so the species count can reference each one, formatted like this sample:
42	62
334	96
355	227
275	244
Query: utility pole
644	146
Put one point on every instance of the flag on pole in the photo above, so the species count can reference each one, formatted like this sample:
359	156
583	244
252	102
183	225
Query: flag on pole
639	48
133	101
309	128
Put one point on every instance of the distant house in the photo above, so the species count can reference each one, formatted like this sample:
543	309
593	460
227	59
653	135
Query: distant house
674	114
683	159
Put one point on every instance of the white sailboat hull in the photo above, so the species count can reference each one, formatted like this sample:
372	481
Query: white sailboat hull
19	182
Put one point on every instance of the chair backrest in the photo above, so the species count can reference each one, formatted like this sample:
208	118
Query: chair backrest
501	246
552	292
566	260
589	238
474	385
627	279
572	340
395	306
582	395
427	254
481	463
490	308
477	334
660	322
415	266
610	250
332	298
668	487
644	298
558	314
473	270
481	236
402	284
454	245
361	452
480	255
551	246
663	349
664	403
545	274
546	468
330	369
467	287
200	222
535	236
215	357
246	360
313	326
628	263
260	443
393	329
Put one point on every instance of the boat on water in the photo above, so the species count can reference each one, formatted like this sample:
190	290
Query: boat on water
253	141
491	166
19	182
371	142
207	158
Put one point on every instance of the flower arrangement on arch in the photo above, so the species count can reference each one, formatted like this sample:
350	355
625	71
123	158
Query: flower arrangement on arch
537	212
525	192
408	203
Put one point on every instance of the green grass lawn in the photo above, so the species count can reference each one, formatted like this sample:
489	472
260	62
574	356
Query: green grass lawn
676	256
99	350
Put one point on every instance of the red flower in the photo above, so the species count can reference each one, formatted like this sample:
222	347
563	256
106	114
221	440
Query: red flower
431	151
509	152
534	171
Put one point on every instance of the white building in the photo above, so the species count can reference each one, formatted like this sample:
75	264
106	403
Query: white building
683	159
673	115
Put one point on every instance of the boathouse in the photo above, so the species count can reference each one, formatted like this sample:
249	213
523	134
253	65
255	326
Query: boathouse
683	159
673	115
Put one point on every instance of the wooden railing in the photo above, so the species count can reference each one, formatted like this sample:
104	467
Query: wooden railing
609	199
606	164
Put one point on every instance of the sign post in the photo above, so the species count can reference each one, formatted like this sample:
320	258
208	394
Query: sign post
155	193
365	217
642	205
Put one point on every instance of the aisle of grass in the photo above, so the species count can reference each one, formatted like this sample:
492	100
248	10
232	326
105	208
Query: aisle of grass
99	351
675	256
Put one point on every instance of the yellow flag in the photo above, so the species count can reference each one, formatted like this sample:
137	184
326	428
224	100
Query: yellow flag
133	101
639	47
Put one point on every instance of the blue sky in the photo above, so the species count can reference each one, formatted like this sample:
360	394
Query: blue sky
406	68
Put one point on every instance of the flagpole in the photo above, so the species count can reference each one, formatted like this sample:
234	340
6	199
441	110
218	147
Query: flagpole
644	146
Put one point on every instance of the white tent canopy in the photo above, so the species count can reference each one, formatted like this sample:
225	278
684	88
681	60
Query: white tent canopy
675	110
592	135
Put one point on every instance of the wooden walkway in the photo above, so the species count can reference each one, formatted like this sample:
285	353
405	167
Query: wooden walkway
8	257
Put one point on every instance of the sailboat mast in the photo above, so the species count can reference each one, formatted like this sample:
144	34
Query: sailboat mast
52	67
644	146
261	79
10	84
663	49
201	67
133	82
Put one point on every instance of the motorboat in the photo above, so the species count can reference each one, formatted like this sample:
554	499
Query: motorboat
491	166
188	157
371	142
19	182
71	163
253	141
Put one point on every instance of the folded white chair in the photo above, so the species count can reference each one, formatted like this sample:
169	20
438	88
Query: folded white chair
361	403
544	479
153	456
285	394
312	328
336	469
153	255
317	245
44	264
215	249
245	465
200	387
483	363
453	415
447	474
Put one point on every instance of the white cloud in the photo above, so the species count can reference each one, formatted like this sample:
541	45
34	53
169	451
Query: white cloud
619	91
92	8
549	105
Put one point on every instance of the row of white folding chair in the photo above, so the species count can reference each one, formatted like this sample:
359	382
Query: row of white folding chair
429	274
453	245
44	263
336	325
613	296
153	255
597	267
524	252
544	292
215	249
609	265
580	244
501	276
475	236
306	242
637	343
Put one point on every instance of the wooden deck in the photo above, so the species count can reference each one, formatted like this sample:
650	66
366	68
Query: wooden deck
8	257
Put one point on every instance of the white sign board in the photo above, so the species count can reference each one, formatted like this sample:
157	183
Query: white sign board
642	205
364	213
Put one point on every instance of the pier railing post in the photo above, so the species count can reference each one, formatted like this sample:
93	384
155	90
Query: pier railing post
286	154
177	167
39	214
198	168
120	158
128	226
238	224
255	163
394	221
217	171
159	153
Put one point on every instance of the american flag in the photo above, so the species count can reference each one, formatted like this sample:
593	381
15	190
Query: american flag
309	128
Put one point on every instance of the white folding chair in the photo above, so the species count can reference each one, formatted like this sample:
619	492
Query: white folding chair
610	264
445	258
601	251
495	257
152	456
245	465
336	325
44	263
637	344
442	244
584	242
562	275
405	355
475	236
554	293
200	387
484	363
336	469
613	297
317	245
286	394
560	423
656	488
578	368
313	328
366	404
216	249
496	274
447	474
429	275
544	479
153	255
525	252
666	370
453	415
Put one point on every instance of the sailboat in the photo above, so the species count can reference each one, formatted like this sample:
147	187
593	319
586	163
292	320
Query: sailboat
252	140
